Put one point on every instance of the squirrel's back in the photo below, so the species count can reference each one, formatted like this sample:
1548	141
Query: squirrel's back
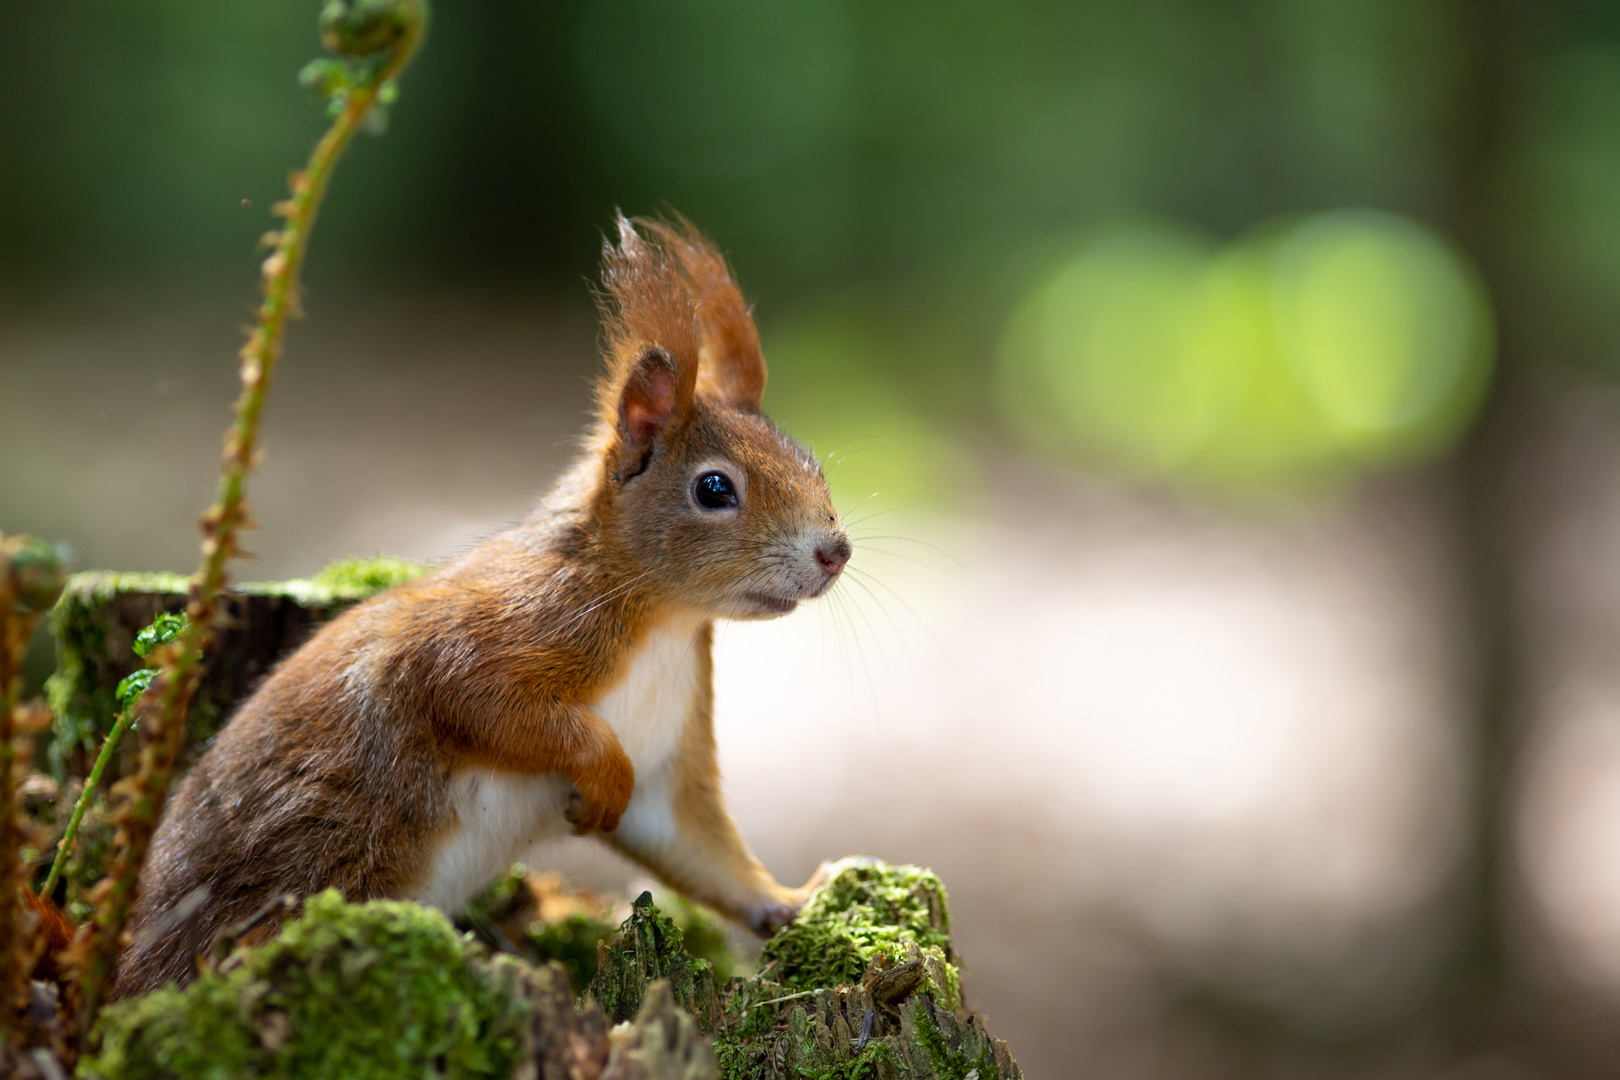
335	773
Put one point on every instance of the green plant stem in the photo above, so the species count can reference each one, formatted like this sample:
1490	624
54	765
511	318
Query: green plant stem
161	710
65	845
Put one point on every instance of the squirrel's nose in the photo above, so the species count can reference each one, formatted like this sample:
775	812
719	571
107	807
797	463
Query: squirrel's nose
833	554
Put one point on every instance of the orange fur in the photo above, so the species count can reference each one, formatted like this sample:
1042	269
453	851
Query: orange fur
381	757
58	931
730	367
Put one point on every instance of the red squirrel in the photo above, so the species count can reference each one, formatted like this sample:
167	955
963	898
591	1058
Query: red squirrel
556	676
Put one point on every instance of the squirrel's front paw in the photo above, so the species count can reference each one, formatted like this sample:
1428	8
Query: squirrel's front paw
599	797
595	816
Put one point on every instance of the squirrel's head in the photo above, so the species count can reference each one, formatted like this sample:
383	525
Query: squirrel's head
701	496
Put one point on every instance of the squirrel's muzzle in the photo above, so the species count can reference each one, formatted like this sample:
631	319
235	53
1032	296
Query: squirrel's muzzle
832	554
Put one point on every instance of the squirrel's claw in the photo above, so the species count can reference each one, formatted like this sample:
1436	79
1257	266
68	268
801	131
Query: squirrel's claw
587	818
575	814
770	917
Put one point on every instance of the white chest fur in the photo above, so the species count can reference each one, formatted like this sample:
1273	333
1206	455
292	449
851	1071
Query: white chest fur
500	815
649	705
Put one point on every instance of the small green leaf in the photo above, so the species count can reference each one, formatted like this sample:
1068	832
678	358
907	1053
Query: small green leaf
164	629
363	27
132	686
322	75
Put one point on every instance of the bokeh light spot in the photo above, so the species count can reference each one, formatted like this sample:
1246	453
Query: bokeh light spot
1304	350
832	386
1385	328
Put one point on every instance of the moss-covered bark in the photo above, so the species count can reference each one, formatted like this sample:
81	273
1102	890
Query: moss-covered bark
100	612
539	919
388	991
650	947
864	984
370	991
870	915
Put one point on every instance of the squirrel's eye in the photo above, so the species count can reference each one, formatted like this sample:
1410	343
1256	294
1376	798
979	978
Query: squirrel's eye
714	491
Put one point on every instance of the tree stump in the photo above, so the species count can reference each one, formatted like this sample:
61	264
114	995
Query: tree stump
100	612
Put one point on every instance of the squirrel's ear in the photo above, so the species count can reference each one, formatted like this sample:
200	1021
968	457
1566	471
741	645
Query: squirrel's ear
652	346
730	367
646	408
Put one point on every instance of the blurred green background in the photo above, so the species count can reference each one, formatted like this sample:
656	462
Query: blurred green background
1237	243
1223	256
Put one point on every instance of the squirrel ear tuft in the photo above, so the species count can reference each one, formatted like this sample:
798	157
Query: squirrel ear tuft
730	368
651	340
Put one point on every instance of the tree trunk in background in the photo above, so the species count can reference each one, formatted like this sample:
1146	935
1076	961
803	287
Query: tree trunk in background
1485	1004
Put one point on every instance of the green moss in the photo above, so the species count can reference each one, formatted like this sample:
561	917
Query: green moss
865	1066
948	1063
866	910
650	946
506	896
703	935
799	1017
368	991
571	942
103	584
743	1044
389	990
343	579
505	917
745	1059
